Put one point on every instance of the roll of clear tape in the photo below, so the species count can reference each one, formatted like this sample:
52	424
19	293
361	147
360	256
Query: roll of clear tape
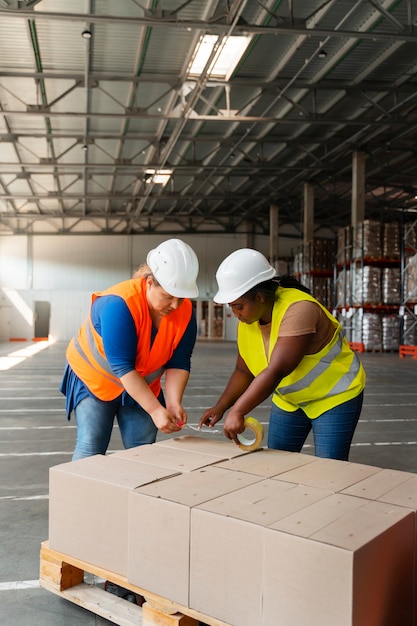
257	430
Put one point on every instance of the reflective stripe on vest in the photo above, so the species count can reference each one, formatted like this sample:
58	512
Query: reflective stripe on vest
340	385
104	364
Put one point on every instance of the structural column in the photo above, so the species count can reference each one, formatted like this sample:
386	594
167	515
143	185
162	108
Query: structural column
358	189
273	235
308	224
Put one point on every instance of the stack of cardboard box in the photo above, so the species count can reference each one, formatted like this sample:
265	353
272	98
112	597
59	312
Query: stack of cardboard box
265	538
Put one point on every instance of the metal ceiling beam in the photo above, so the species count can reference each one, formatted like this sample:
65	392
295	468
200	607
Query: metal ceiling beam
276	83
288	29
325	120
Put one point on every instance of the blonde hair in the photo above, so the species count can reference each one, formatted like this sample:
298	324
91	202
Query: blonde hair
144	271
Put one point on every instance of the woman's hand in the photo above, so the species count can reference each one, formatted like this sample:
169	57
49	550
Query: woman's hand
178	411
165	421
211	416
234	425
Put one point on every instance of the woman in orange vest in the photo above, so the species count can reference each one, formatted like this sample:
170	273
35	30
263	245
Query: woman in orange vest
292	349
135	332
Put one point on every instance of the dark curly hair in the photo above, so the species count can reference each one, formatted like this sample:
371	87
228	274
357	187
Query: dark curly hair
269	287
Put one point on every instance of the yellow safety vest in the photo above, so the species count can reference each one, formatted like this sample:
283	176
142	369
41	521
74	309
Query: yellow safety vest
320	381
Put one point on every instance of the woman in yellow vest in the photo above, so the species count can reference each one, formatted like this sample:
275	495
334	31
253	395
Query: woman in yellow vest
290	347
135	332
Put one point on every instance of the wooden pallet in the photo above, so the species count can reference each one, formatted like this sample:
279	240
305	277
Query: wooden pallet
64	575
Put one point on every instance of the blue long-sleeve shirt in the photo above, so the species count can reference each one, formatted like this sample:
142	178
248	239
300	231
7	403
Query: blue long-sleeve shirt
113	321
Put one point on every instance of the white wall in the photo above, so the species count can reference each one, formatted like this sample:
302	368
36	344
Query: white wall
65	269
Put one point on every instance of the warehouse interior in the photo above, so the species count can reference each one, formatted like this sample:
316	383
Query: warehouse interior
125	123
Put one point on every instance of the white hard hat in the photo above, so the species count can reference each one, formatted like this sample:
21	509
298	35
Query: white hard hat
174	264
239	272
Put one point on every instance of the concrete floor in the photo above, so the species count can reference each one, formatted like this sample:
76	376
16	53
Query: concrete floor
36	436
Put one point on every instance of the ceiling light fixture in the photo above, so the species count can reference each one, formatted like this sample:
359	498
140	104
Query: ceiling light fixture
86	34
226	59
158	177
322	54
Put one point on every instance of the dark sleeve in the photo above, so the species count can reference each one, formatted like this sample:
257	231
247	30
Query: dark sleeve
114	323
181	358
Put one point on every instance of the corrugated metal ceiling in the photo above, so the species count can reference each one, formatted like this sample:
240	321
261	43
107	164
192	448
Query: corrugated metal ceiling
82	119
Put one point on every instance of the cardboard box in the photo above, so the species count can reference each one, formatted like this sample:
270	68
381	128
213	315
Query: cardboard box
88	507
388	486
169	457
267	463
159	528
204	444
227	547
345	561
329	474
226	580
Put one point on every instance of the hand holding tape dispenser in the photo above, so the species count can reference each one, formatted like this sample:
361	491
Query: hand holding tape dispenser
256	434
249	440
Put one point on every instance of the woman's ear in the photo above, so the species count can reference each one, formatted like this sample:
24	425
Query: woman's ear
260	297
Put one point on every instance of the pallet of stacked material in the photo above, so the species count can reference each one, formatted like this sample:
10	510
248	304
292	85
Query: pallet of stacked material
322	289
391	285
368	242
367	285
411	279
323	254
390	333
409	330
410	236
391	240
344	287
344	242
372	332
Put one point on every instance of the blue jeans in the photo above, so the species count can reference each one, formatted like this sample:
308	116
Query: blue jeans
332	431
95	424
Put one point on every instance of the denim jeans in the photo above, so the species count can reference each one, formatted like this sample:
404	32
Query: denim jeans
95	424
332	431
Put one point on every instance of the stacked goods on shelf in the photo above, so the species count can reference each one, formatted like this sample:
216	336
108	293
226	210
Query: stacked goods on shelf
391	240
391	329
369	284
344	243
366	287
367	329
410	286
367	241
391	285
322	289
344	288
314	268
377	332
410	236
409	330
323	253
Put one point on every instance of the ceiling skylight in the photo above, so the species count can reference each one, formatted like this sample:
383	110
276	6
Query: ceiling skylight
158	177
226	59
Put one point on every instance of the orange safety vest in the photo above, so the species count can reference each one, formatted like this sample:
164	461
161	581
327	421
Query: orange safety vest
85	352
